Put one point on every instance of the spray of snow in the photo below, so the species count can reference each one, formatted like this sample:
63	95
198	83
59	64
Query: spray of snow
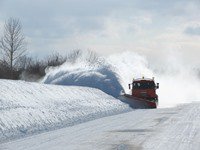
110	75
178	83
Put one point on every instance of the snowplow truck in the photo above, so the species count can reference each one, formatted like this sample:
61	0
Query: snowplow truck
144	91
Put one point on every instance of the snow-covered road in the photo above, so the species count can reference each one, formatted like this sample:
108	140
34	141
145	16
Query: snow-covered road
169	128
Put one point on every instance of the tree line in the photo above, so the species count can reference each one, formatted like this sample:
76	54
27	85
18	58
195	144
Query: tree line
14	62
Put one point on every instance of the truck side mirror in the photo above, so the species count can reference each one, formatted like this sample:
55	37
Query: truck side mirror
157	86
129	86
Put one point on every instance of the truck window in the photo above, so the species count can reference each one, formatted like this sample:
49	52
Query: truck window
143	85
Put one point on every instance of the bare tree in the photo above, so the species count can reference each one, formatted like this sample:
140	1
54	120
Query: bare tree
55	59
12	43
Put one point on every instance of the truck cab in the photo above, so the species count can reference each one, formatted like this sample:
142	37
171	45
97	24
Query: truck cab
144	88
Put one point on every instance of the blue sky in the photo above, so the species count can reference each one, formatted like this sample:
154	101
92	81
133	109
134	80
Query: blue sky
151	27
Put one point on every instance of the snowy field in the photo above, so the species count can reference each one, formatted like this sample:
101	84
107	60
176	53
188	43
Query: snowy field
159	129
30	108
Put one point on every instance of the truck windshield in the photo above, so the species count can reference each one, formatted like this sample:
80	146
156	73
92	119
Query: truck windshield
143	85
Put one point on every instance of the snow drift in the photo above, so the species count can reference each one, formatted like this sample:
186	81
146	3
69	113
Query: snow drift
29	108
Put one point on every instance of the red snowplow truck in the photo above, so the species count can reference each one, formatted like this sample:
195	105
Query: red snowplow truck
143	91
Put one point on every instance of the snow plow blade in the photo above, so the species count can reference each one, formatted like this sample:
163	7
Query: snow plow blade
138	102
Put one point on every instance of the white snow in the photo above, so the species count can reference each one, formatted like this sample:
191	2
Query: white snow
159	129
30	108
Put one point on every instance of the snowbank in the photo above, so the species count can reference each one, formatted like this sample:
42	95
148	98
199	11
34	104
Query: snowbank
27	108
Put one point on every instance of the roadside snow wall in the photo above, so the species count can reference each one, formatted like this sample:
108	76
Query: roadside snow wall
30	108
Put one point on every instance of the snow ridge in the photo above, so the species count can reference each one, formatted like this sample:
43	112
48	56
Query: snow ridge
30	108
